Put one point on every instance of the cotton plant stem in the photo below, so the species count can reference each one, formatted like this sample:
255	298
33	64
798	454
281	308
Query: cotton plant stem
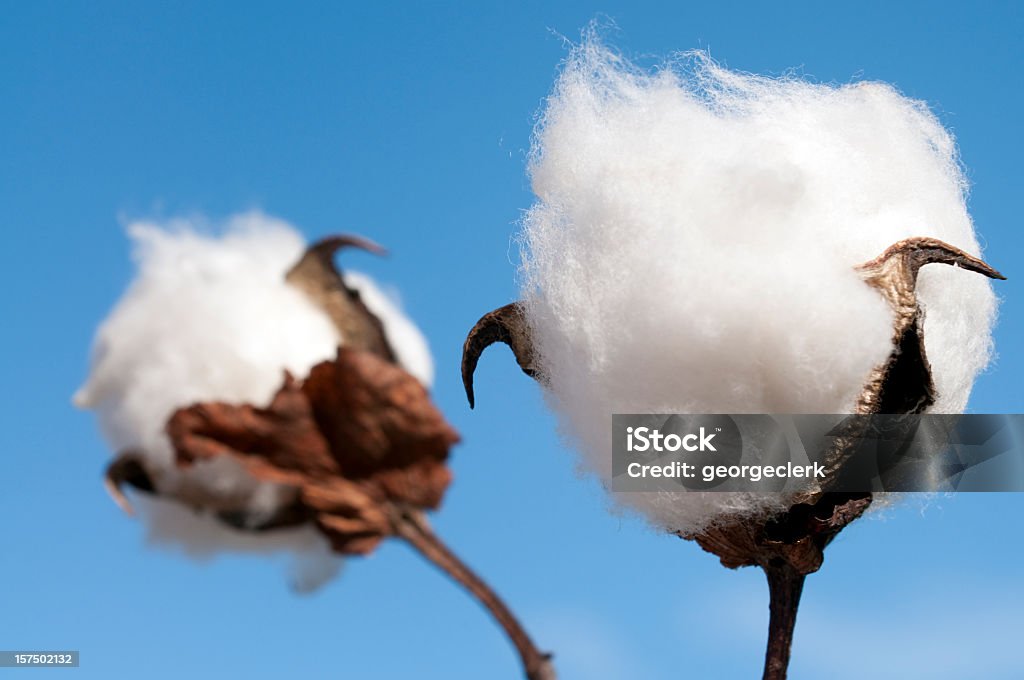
785	586
412	526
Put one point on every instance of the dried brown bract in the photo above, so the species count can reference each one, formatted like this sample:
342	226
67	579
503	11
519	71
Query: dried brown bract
317	276
357	439
506	324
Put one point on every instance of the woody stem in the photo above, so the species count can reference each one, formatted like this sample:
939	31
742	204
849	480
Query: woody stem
785	586
412	526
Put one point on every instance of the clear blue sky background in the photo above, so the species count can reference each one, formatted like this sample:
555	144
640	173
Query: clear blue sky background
410	124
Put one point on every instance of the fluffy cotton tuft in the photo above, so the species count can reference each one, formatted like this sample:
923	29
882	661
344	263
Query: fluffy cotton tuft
211	318
693	244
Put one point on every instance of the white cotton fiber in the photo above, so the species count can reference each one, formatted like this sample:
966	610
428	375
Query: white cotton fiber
212	318
693	244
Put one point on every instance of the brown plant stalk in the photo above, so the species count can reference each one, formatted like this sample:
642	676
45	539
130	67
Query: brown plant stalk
785	585
413	527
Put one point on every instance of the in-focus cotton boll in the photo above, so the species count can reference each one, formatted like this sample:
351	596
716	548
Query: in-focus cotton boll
693	244
211	318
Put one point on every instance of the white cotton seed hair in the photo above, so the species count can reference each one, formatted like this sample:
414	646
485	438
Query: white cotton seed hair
172	525
212	318
693	244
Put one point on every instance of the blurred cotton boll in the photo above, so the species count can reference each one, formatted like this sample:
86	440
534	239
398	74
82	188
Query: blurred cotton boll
693	246
211	318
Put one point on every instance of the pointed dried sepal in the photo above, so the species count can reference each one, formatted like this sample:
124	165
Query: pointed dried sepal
128	469
189	490
903	384
506	324
325	248
894	272
317	276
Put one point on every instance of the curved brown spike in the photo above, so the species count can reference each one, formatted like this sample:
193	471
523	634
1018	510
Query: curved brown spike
316	275
329	245
909	255
127	468
318	260
506	324
894	272
903	384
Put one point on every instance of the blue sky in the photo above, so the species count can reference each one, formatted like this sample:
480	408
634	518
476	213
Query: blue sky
410	124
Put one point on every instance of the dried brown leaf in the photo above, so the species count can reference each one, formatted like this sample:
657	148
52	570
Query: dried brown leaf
358	435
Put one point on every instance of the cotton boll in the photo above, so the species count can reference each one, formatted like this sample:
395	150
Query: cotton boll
212	319
693	248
